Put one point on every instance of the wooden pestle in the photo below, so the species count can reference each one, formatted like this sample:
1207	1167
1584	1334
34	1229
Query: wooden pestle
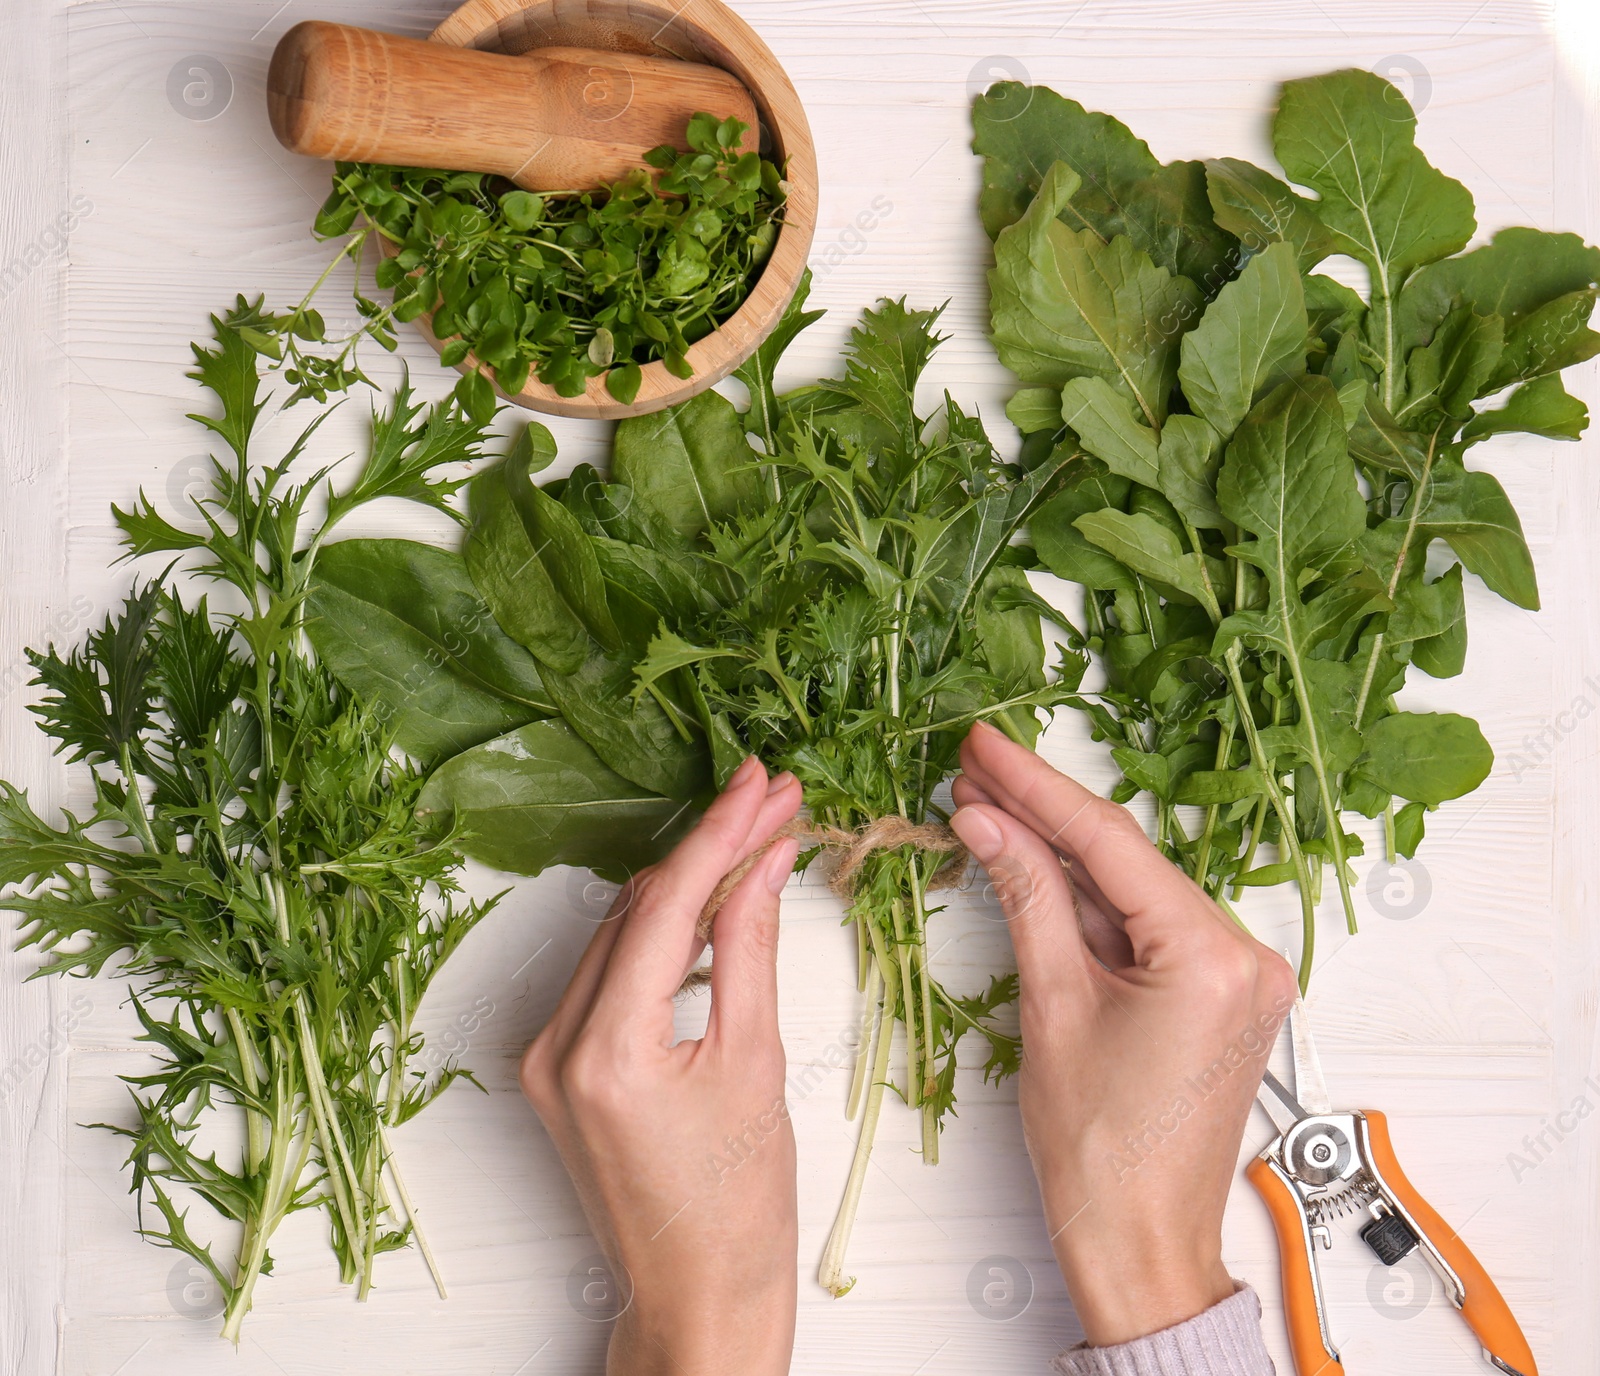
552	119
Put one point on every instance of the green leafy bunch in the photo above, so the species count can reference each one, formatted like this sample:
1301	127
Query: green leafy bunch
253	862
826	579
1264	458
567	285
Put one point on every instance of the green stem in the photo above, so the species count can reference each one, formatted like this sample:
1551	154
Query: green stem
831	1272
1291	838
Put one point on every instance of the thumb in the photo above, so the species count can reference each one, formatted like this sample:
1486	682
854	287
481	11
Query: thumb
744	967
1033	892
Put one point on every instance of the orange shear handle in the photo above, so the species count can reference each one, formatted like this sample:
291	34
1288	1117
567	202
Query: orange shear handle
1483	1306
1312	1355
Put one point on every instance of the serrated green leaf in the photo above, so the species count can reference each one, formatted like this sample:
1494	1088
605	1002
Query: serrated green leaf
1066	304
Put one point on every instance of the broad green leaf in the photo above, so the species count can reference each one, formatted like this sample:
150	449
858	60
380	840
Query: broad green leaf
1539	407
1379	441
1429	757
402	627
1409	824
1065	552
1022	131
1514	274
568	555
1258	209
539	796
1252	337
1148	548
1553	337
1035	409
1189	456
1067	304
1471	512
634	735
1103	419
1287	479
690	464
1208	787
1433	618
1449	374
1350	136
502	556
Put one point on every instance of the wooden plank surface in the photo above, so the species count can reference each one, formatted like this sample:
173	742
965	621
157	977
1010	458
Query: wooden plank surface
1466	1007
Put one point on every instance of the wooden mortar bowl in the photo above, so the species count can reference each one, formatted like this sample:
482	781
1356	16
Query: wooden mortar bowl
698	31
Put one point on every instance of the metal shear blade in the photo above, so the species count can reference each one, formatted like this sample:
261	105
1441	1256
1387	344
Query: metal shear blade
1309	1097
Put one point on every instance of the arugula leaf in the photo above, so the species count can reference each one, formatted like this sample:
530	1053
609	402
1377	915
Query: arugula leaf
1429	757
1163	209
1250	338
1068	304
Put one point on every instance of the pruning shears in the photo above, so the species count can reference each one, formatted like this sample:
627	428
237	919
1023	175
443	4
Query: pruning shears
1324	1164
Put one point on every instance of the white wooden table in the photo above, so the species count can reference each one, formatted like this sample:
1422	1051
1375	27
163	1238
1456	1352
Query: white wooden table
1467	1006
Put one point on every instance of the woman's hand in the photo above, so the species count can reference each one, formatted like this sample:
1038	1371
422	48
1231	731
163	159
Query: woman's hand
1147	1016
683	1155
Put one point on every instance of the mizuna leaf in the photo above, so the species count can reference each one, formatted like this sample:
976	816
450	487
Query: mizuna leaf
1067	304
1251	337
1430	757
539	797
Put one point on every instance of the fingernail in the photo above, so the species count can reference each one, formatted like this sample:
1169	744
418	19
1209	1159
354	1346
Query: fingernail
743	773
780	864
978	834
778	781
981	726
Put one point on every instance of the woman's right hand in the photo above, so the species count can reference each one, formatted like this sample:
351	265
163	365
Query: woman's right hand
1147	1016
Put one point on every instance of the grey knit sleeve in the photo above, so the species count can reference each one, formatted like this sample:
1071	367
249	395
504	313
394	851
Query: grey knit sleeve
1223	1341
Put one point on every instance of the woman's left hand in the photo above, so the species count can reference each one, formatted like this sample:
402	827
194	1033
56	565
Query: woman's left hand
683	1155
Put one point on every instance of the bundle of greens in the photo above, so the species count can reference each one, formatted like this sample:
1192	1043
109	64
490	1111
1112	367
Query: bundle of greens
253	860
1273	454
567	285
825	579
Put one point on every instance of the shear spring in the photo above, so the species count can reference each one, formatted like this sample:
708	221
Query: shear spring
1361	1191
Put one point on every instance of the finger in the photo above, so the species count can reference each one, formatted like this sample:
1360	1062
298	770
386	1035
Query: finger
782	802
1135	878
1033	892
578	997
964	791
1104	928
744	976
653	950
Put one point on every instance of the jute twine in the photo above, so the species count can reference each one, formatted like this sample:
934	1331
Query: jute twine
852	848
